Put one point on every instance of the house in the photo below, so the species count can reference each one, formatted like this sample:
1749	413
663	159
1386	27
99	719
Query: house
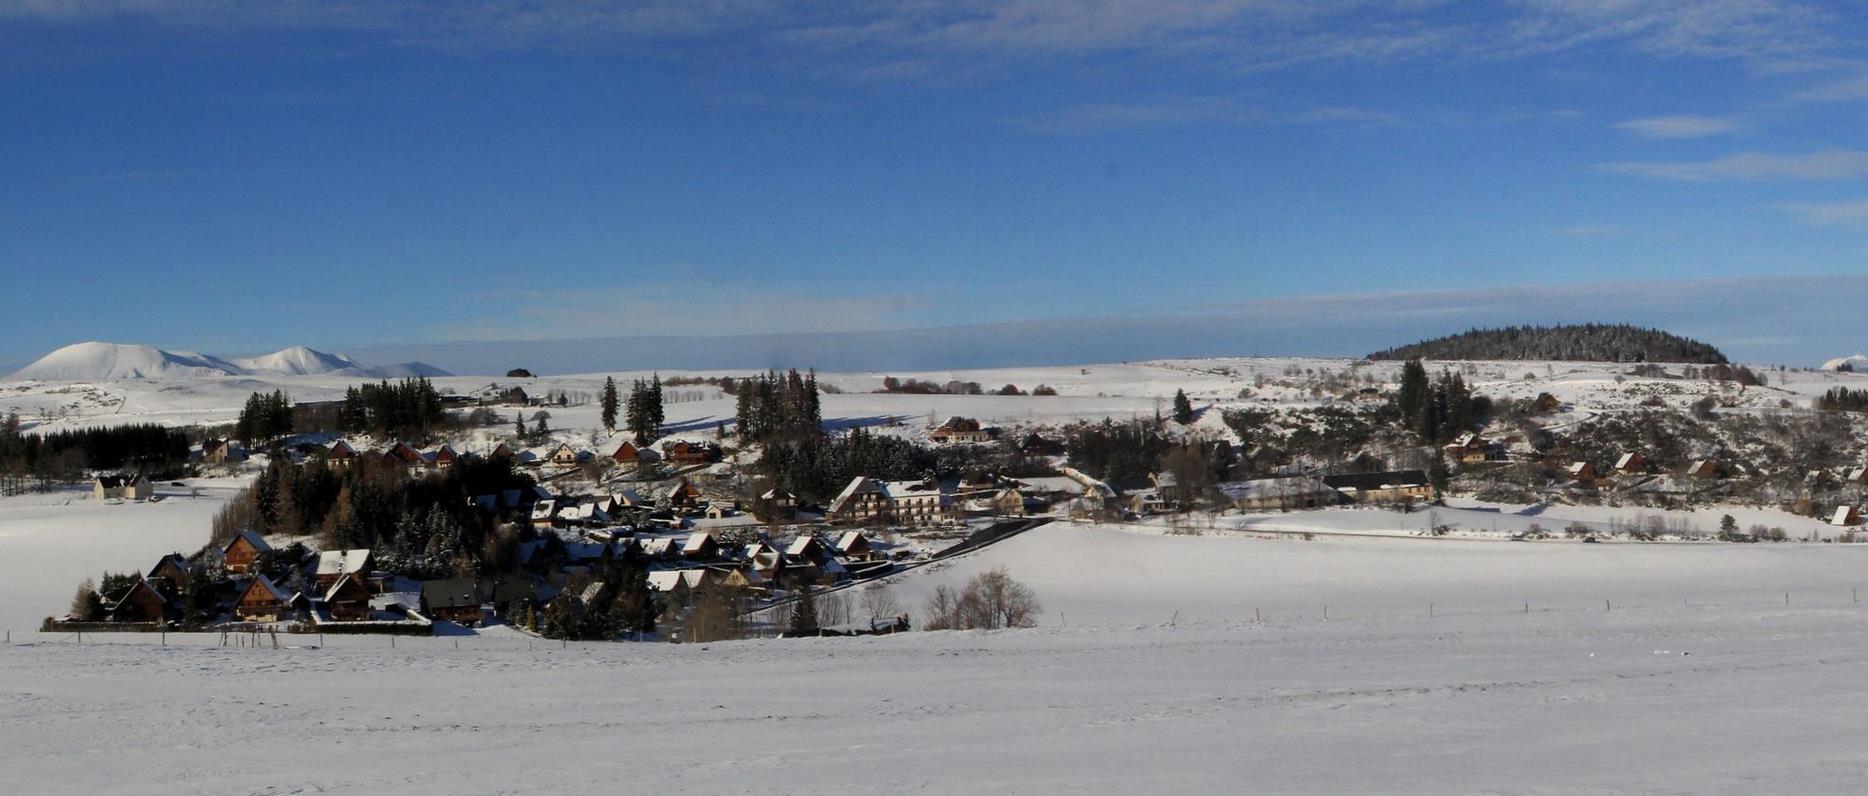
627	454
1147	501
455	599
405	456
1846	516
853	546
142	603
763	559
806	547
1398	486
1582	472
719	511
221	451
348	600
513	396
915	502
1010	502
1858	476
682	452
700	547
261	601
240	553
1703	468
960	429
1632	463
441	458
340	455
334	564
122	487
673	581
172	568
1280	494
1467	448
545	513
1035	444
564	456
682	494
778	503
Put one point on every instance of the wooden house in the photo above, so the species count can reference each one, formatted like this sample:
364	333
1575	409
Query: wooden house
853	546
682	494
1703	468
334	564
1467	448
1858	476
220	451
405	456
240	553
172	569
1010	502
1396	486
455	600
627	454
1632	463
700	547
1846	516
261	601
1581	472
340	456
142	603
683	452
960	429
777	503
806	547
441	458
348	600
563	456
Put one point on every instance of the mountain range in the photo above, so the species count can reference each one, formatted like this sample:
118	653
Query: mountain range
95	361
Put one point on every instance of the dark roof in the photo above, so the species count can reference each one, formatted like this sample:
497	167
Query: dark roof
1363	482
450	593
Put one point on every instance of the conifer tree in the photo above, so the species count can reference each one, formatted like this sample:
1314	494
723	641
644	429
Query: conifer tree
1183	408
804	614
609	402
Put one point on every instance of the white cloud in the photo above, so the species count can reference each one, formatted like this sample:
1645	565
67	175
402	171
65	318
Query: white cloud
1678	126
1835	164
1853	213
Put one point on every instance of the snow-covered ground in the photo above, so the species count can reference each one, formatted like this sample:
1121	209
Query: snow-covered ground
1658	700
50	543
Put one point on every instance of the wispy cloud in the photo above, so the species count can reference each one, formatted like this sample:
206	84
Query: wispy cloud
1097	117
1853	89
1835	164
1851	213
688	307
1678	126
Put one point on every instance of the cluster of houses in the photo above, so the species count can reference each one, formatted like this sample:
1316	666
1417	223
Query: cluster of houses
675	452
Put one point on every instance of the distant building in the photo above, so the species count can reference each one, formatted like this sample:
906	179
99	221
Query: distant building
1398	486
960	429
122	487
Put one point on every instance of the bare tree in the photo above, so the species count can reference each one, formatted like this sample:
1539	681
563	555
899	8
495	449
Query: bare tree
991	600
943	610
880	603
833	609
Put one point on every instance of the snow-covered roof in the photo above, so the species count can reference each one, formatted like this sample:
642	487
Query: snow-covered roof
849	540
695	543
252	538
338	562
801	545
1622	462
271	589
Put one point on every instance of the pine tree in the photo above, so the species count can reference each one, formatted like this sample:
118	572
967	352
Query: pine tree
1413	391
519	424
804	614
609	403
1183	408
1438	473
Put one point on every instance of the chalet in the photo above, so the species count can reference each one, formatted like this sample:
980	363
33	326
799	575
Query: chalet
1632	463
1147	501
682	494
682	452
960	429
441	458
340	455
1280	494
545	513
719	511
853	546
700	547
220	451
626	499
348	600
261	601
1467	448
1858	476
1582	472
675	581
173	569
240	553
500	451
778	503
454	599
564	456
627	454
509	592
1168	488
1035	444
1400	486
334	564
1703	468
513	396
142	603
1010	502
762	559
1846	516
122	487
658	547
405	456
806	547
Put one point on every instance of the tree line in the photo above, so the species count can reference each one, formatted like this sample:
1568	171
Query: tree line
777	406
409	409
155	450
1592	342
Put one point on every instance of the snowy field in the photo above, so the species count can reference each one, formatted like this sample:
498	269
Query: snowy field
51	543
1655	700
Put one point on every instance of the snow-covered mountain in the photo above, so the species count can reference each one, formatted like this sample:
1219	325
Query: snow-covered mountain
95	361
1857	363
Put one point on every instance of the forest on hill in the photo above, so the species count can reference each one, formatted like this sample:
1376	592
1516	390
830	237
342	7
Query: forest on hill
1593	342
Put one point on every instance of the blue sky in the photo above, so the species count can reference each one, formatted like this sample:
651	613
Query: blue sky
239	176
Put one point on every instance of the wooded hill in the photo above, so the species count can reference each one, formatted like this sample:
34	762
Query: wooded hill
1593	342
